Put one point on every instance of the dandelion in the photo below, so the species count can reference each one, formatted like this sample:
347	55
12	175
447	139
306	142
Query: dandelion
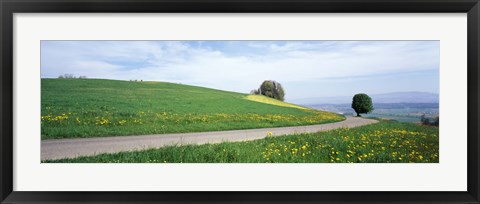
122	122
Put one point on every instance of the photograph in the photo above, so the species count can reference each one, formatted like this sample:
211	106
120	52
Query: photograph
317	101
240	101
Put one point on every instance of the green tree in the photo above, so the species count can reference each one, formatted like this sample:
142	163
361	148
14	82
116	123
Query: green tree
362	103
272	89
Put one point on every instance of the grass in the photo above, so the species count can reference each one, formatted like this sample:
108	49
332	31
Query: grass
268	100
74	108
383	142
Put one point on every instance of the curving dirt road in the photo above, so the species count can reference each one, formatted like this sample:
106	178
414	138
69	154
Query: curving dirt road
70	148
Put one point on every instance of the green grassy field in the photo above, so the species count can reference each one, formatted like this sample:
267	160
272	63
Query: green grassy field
383	142
73	108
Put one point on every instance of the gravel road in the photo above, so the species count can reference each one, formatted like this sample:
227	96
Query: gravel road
70	148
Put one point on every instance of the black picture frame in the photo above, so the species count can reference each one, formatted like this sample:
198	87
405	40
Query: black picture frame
9	7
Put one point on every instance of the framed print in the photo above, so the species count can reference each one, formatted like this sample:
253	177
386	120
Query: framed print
239	101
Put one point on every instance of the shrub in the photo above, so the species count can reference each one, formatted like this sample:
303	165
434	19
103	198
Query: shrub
430	121
254	91
362	103
436	122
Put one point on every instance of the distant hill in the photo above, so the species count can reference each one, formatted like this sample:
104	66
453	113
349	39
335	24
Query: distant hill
406	97
395	97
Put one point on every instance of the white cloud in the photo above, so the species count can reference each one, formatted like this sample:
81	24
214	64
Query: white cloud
241	67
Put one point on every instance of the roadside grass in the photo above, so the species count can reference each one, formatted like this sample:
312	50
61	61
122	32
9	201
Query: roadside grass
75	108
383	142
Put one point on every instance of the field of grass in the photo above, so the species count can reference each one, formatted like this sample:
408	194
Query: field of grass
268	100
73	108
383	142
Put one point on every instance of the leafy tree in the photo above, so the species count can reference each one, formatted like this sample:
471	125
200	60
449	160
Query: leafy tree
272	89
362	103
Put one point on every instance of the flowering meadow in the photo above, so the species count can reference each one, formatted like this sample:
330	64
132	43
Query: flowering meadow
73	108
383	142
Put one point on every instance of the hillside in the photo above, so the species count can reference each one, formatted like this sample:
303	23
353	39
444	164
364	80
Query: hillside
94	107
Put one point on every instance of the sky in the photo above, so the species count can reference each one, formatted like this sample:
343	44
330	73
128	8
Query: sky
306	69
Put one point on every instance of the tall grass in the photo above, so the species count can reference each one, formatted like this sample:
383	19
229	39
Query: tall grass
383	142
